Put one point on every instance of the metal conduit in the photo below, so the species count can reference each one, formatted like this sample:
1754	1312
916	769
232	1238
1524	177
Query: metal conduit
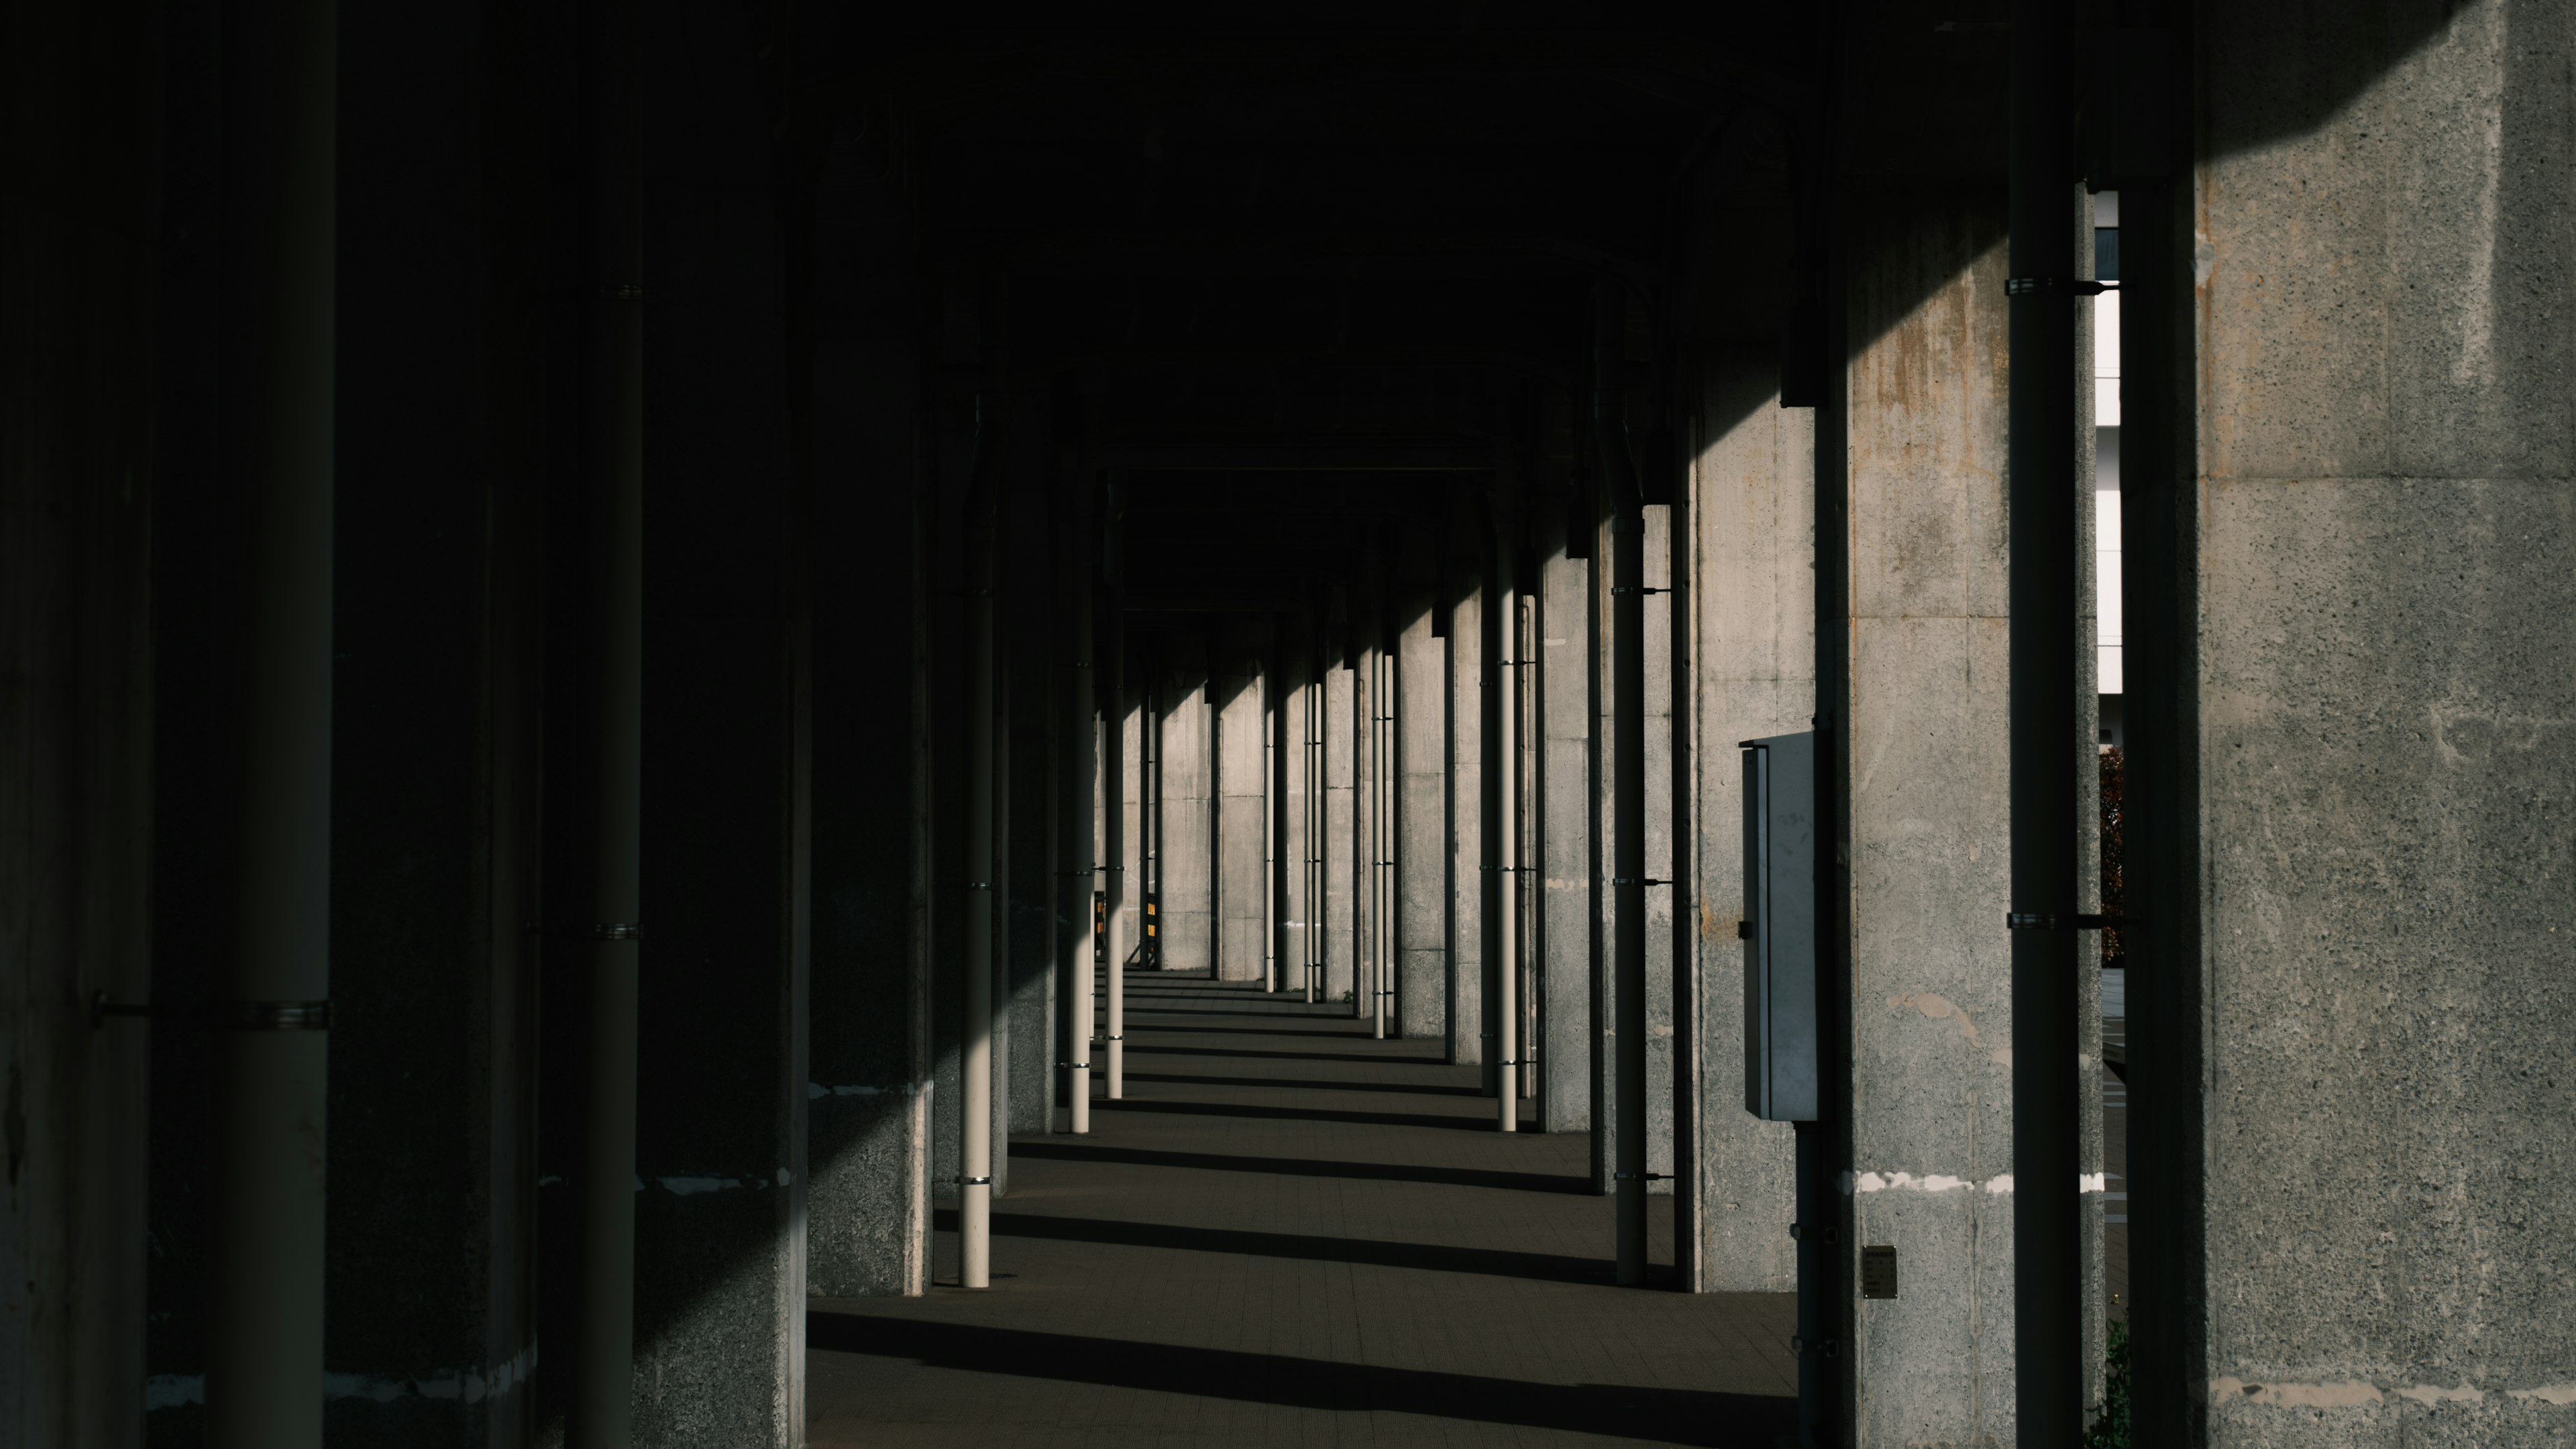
1078	957
271	1054
975	1065
1114	800
1507	862
1628	781
603	1369
2048	1085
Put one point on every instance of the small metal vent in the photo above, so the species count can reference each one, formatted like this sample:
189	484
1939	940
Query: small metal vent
1878	1272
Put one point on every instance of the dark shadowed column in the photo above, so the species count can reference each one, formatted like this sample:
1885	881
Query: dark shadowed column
720	1142
868	1101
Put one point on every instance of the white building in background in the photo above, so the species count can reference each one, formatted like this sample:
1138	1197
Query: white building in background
2106	464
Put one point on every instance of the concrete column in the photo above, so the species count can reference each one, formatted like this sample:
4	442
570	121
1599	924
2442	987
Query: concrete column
1463	778
1920	748
1368	872
1563	880
2356	569
1419	810
431	1255
1300	910
1132	842
1242	872
1662	1054
1752	605
1345	852
1185	850
78	741
868	1096
721	1139
1032	649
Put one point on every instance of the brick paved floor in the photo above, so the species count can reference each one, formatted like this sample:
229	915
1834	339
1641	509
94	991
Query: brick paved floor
1291	1234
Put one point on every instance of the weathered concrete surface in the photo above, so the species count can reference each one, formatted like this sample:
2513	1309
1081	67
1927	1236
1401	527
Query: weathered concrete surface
1660	861
1563	878
1753	532
1239	761
1184	845
1132	844
1345	844
1421	809
2386	758
1470	1039
1925	769
1657	806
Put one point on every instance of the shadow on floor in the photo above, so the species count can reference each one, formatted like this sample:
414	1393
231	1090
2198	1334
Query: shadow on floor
1345	1033
1375	1059
1419	1089
1296	1114
1671	1416
1433	1257
1309	1167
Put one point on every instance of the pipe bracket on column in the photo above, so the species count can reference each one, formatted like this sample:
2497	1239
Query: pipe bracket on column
2043	921
269	1015
976	1181
616	931
2043	286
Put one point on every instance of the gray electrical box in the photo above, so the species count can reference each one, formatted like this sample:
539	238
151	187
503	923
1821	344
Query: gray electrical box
1781	1036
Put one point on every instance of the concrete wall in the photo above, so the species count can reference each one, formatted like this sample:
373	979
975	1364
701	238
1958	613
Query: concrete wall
1925	770
2380	503
1753	536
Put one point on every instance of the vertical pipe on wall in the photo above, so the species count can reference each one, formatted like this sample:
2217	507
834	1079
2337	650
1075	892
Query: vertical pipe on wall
1381	841
1506	753
603	1369
2048	1327
1113	686
1628	780
975	1039
1083	703
1272	759
1318	918
271	1055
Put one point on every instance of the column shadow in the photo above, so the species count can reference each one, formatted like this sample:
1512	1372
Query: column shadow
1666	1416
1269	1113
1305	1247
1301	1084
1309	1167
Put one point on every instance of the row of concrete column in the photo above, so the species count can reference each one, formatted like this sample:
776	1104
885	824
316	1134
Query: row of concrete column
2347	512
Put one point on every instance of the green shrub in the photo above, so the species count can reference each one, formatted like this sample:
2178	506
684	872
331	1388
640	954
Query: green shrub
2111	1428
